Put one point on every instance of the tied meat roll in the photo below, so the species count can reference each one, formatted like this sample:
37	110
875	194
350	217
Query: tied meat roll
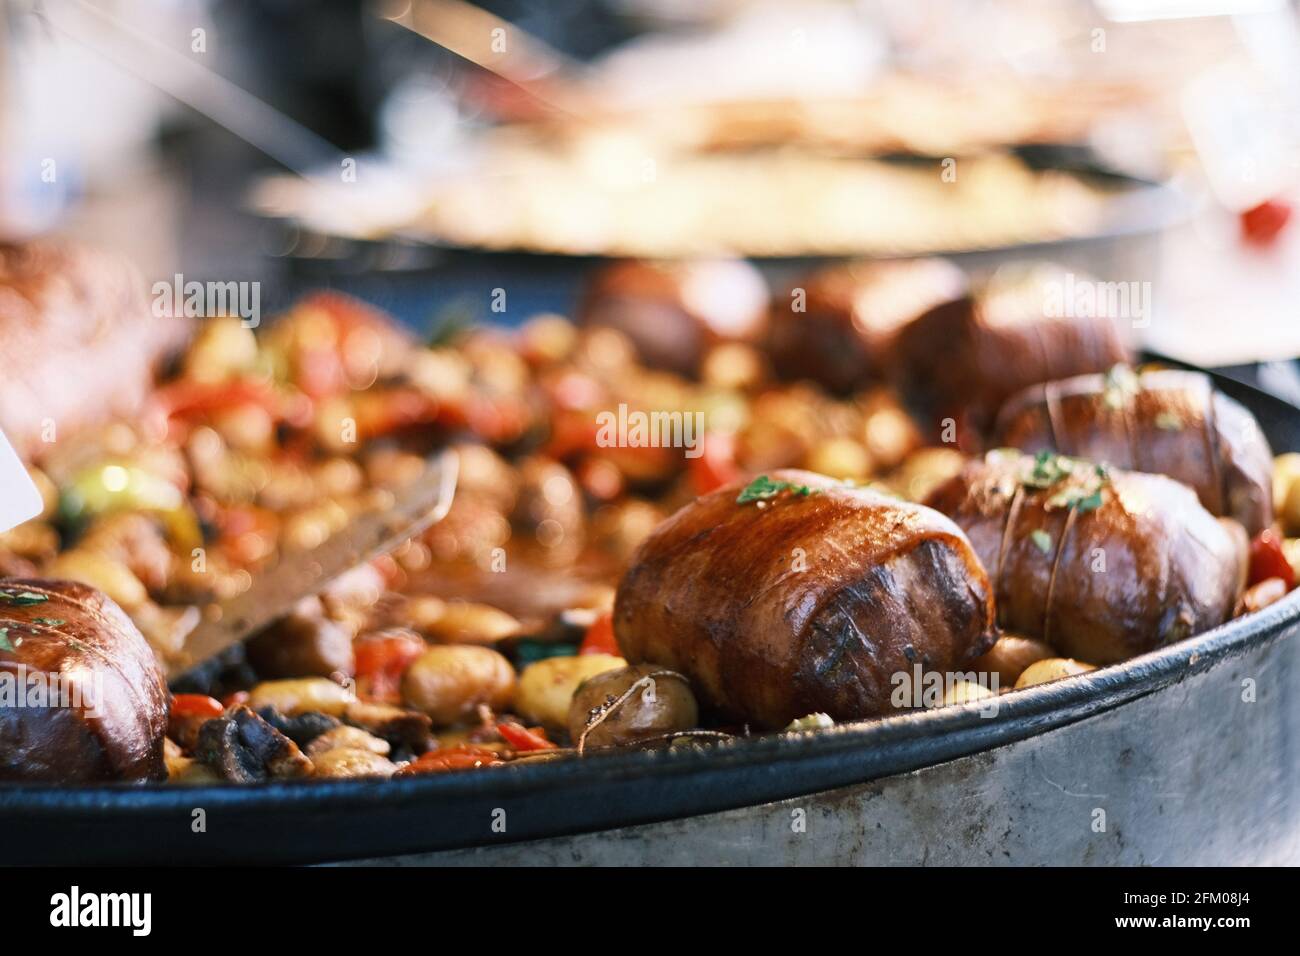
673	312
1100	563
837	327
1163	421
81	337
81	697
797	594
964	358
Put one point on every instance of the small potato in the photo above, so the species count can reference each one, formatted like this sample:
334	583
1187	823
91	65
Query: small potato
1050	669
547	687
112	577
1286	469
448	682
1009	657
664	703
350	738
965	691
924	470
1261	595
224	347
841	458
1291	548
195	774
1290	511
302	645
463	622
292	697
343	762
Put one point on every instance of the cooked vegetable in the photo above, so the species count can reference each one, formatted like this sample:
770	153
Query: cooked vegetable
630	704
599	638
547	687
964	692
1269	560
347	738
302	645
459	757
297	696
382	658
464	622
803	602
348	762
449	682
1050	669
243	748
1009	658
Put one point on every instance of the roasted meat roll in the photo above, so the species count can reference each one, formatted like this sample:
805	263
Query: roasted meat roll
837	326
797	594
1102	564
1165	422
674	311
964	358
88	341
81	697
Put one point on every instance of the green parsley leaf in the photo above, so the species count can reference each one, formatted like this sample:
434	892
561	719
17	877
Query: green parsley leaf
22	598
5	643
1120	383
1048	468
762	488
50	621
1042	540
1169	422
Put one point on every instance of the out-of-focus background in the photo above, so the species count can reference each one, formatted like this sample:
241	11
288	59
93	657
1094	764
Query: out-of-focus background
423	153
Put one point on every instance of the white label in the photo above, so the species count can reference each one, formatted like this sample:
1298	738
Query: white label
19	499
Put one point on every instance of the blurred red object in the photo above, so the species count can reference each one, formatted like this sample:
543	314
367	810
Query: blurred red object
1262	224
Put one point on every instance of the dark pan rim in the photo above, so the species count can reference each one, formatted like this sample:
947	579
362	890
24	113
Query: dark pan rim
948	732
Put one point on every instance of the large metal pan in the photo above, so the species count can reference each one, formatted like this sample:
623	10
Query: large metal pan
1184	755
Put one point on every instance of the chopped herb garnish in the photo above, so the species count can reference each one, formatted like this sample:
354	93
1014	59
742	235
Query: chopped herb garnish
1169	422
50	621
1120	383
1048	469
5	643
762	488
22	598
1084	493
1042	540
1081	499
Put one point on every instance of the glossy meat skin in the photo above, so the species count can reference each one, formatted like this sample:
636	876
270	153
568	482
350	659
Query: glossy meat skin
1145	567
89	343
116	731
964	358
851	314
674	311
715	593
1165	422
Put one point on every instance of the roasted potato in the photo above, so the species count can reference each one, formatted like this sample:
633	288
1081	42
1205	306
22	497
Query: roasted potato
448	682
546	688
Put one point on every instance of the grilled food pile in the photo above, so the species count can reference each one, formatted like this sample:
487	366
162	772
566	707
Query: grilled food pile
700	510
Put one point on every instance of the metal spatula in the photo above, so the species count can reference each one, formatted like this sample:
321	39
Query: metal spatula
275	591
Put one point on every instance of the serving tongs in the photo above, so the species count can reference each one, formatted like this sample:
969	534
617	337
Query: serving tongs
275	591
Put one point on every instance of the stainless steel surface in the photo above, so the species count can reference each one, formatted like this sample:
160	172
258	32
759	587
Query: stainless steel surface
1194	773
275	591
